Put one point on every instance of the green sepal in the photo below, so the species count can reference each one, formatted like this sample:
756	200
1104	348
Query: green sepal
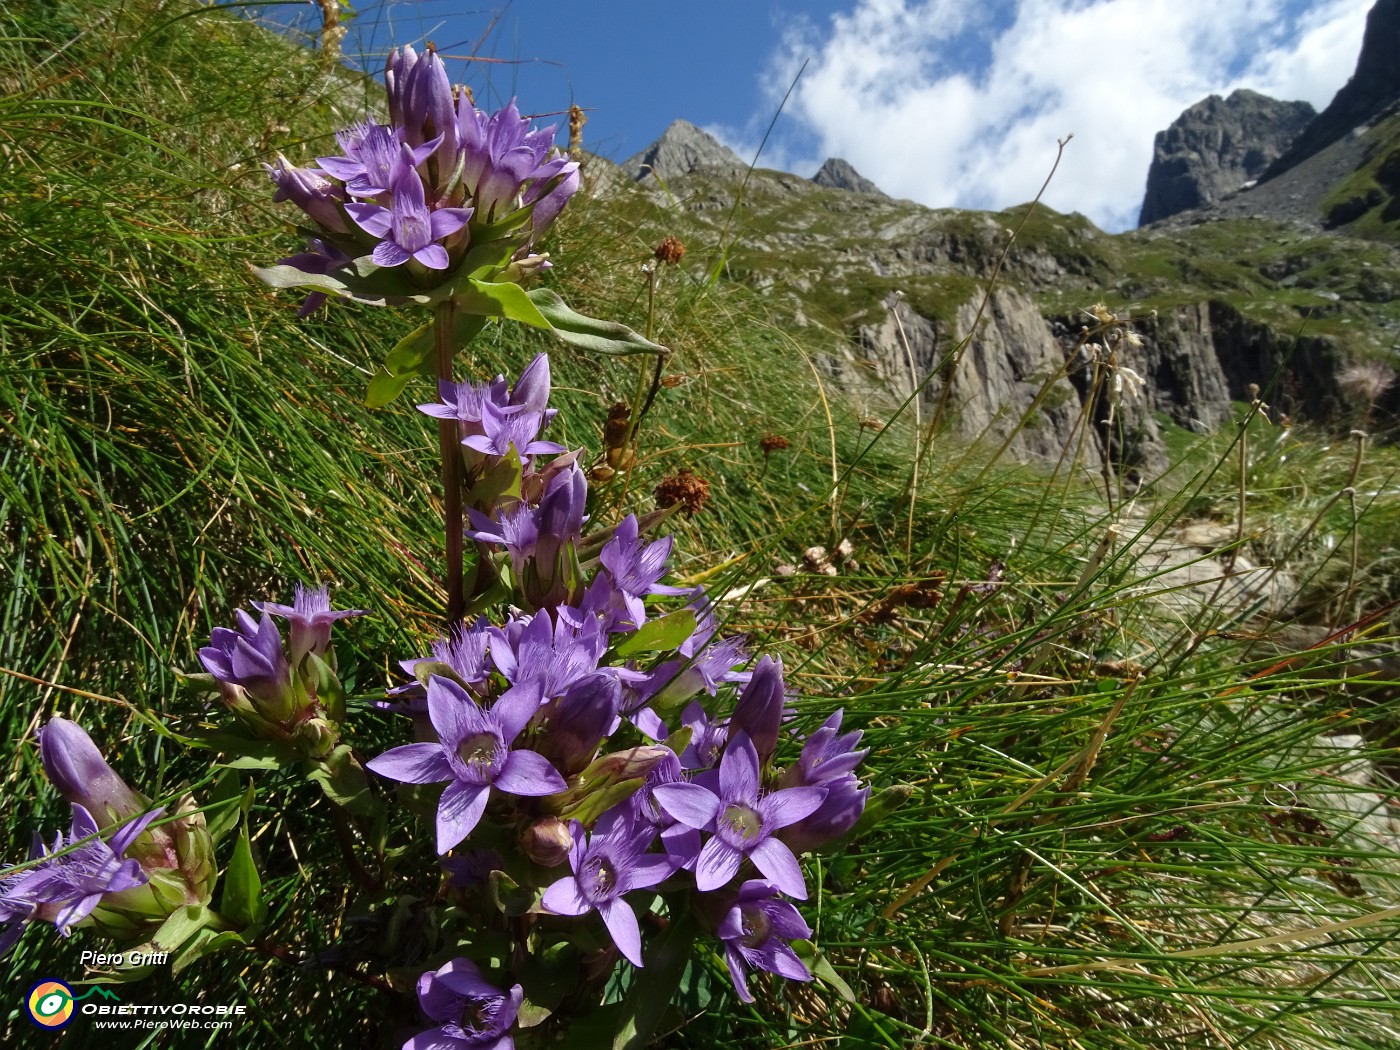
502	480
182	924
343	780
589	333
659	635
595	803
822	970
329	691
241	901
203	944
508	896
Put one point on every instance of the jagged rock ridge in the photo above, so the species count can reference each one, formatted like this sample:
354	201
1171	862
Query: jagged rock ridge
1371	89
839	174
682	149
1215	147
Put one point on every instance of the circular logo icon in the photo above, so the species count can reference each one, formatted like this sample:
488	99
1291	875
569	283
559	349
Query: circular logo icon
50	1004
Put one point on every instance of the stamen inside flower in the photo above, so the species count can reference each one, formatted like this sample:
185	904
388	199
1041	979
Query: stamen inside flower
756	927
480	752
741	822
600	880
478	1016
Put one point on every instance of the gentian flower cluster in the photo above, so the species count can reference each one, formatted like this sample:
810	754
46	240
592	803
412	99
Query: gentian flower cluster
602	746
113	871
418	193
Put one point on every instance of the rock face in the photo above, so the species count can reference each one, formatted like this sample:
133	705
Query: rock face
1371	89
682	149
1215	147
838	174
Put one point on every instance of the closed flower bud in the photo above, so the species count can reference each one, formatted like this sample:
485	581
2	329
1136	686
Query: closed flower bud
547	842
82	776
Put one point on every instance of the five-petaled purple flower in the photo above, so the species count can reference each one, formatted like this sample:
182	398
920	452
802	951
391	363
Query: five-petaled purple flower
72	879
311	617
742	821
755	931
613	861
474	1015
408	230
473	753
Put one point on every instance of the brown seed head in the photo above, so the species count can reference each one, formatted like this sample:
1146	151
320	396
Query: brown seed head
772	443
670	251
671	381
686	489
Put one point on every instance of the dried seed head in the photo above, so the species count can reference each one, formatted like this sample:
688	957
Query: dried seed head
871	423
685	489
772	443
670	251
670	382
577	119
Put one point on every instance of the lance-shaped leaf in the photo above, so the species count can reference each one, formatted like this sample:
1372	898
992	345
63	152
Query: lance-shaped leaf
589	333
241	902
500	299
415	355
664	633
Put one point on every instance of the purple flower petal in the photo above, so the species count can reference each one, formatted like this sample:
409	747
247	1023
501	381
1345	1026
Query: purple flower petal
738	771
413	764
778	864
563	897
459	812
691	804
529	773
781	808
718	863
622	924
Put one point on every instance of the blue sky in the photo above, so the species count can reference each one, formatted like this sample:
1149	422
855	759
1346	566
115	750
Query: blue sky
948	102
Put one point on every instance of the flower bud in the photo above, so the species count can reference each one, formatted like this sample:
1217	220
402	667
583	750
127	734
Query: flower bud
760	709
547	841
82	776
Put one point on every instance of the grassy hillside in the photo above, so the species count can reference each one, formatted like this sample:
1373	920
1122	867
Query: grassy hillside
1137	818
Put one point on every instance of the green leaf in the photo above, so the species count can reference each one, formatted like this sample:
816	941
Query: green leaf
589	333
223	816
241	902
510	897
663	633
499	299
416	355
655	986
180	926
822	969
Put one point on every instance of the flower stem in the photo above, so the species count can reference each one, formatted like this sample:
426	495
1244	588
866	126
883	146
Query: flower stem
450	454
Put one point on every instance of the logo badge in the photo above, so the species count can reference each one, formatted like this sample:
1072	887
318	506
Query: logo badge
50	1004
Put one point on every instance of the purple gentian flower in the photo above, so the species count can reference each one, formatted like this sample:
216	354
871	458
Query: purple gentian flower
82	776
421	105
72	881
635	567
375	158
473	754
251	658
311	617
613	861
575	724
742	821
555	654
310	191
409	230
474	1015
504	427
828	759
827	755
501	156
754	932
707	671
531	390
707	738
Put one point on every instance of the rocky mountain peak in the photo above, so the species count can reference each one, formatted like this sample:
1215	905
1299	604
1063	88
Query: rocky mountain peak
839	174
1371	89
682	149
1215	147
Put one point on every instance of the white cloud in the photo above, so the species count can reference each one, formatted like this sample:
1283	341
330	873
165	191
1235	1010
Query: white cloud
949	103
